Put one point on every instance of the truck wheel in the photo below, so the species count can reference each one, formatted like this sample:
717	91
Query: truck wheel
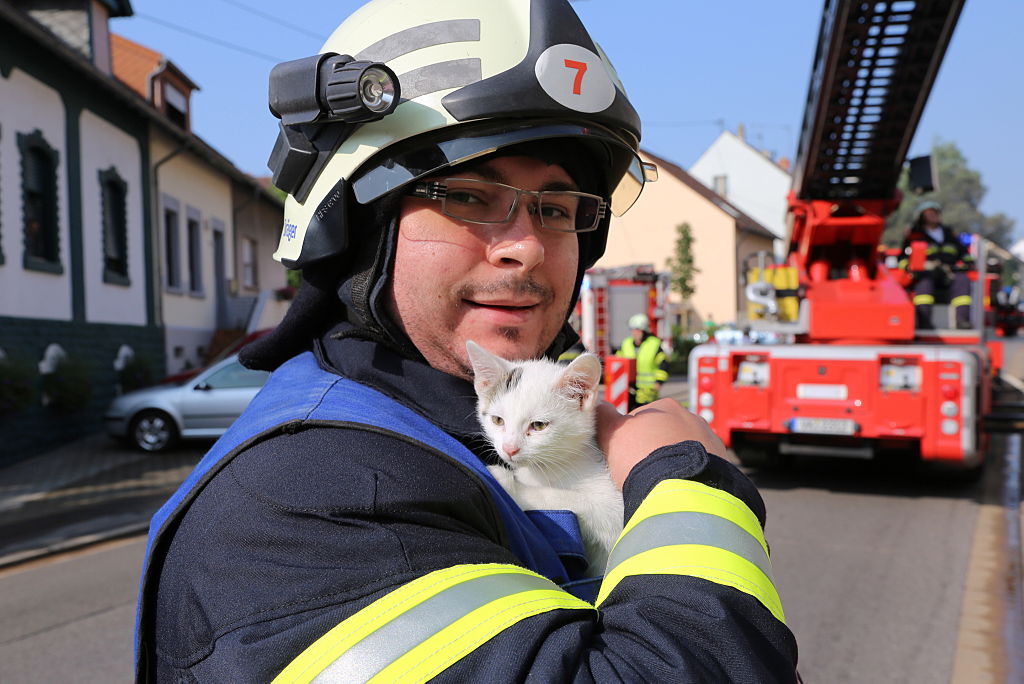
153	431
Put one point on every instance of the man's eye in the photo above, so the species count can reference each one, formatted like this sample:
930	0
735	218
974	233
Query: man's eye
498	420
538	425
465	197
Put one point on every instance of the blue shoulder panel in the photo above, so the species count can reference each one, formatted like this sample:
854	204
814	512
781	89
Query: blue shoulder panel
324	396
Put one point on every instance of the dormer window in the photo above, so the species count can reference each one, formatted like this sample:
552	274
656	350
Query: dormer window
175	104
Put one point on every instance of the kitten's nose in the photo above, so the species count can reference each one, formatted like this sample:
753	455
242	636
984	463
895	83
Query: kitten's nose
510	450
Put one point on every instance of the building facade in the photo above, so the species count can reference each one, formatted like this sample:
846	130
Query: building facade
119	261
723	239
749	179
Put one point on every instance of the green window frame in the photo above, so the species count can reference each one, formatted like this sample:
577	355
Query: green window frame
41	224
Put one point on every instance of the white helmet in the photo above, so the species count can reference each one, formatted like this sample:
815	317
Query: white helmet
403	90
639	322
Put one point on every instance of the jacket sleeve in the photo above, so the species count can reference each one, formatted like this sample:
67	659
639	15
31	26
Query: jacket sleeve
392	566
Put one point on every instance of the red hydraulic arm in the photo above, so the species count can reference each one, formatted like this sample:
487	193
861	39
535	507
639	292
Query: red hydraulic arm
874	68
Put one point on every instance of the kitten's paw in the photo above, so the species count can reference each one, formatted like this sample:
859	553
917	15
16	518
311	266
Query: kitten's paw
502	474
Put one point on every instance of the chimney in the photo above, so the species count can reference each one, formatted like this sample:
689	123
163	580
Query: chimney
784	164
741	132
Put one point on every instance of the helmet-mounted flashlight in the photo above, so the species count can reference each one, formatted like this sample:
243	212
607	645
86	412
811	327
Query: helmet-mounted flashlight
323	89
332	88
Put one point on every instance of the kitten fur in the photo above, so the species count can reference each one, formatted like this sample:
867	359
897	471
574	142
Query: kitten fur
540	418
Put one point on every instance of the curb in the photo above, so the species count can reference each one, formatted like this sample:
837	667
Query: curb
71	544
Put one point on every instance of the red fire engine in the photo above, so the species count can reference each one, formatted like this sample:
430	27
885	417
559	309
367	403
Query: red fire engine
609	297
857	380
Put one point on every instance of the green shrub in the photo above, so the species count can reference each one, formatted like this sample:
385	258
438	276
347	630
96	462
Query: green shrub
136	374
17	385
68	388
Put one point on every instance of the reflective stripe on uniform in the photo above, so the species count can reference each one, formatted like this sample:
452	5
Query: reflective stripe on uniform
688	528
422	628
962	300
924	299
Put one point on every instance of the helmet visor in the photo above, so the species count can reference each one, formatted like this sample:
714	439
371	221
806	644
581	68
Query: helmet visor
398	165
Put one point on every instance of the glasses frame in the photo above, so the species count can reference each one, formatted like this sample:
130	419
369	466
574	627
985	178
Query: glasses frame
438	190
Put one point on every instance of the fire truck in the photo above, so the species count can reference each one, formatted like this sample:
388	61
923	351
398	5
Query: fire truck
609	296
857	379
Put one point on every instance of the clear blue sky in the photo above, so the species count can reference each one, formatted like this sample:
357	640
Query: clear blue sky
691	67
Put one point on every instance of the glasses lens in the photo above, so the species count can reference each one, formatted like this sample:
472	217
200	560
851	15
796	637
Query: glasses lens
478	201
569	212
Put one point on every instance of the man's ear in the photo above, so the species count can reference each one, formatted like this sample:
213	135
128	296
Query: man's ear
580	379
488	369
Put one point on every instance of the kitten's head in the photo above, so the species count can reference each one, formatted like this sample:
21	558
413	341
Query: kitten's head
535	412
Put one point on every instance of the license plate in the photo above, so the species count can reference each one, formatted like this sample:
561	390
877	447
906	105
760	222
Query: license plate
823	426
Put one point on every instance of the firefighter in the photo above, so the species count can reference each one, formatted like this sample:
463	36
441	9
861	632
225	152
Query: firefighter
946	263
651	364
346	527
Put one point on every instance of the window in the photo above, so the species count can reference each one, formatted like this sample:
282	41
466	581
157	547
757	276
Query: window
172	260
39	196
114	193
720	184
195	262
175	105
234	376
248	263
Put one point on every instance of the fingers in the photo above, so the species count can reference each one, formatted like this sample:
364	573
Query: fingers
628	439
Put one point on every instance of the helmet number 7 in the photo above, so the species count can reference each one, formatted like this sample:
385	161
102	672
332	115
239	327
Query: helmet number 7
581	68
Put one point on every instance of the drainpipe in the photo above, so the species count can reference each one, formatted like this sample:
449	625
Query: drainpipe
157	244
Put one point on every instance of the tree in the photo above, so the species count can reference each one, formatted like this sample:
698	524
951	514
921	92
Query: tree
681	262
960	192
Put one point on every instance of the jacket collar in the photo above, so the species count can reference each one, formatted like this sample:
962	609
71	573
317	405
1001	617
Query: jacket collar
447	401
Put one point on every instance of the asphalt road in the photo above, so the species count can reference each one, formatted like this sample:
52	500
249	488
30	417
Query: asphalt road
871	564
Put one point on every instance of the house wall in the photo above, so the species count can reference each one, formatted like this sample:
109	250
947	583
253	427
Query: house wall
190	317
754	183
104	146
91	129
647	234
40	107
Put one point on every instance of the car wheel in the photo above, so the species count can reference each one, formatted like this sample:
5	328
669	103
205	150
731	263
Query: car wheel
153	431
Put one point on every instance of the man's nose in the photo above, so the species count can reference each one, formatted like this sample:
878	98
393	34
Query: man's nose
517	243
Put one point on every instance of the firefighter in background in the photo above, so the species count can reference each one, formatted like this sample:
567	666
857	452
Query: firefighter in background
946	264
651	365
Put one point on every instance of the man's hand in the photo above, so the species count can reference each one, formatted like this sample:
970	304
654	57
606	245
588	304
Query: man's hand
627	440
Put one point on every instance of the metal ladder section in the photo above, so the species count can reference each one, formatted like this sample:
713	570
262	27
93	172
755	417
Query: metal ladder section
873	71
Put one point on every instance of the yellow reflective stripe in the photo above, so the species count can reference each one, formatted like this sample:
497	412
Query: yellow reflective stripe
378	632
903	263
681	496
962	300
463	636
950	249
688	550
704	562
924	299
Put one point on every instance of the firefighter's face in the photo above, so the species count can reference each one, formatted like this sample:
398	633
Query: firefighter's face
505	286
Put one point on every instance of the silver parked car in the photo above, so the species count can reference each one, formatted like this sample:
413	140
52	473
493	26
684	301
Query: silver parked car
203	406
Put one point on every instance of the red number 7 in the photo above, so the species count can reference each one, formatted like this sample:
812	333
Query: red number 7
581	68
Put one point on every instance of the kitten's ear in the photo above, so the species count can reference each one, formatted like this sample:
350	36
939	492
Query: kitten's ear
488	369
580	379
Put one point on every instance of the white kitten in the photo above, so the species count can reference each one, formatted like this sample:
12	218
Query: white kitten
539	417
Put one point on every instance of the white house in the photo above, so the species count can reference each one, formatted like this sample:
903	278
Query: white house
749	179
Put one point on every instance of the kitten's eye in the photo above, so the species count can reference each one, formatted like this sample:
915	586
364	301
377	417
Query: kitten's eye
498	420
538	425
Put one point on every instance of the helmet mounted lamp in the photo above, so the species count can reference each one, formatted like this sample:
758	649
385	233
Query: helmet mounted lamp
323	89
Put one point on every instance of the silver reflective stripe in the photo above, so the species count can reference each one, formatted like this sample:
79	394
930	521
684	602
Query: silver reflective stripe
441	76
689	527
410	628
419	37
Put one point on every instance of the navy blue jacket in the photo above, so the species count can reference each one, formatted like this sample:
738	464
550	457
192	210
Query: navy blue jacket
315	522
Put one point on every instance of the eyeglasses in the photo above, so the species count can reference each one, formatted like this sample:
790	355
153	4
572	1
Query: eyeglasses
479	201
